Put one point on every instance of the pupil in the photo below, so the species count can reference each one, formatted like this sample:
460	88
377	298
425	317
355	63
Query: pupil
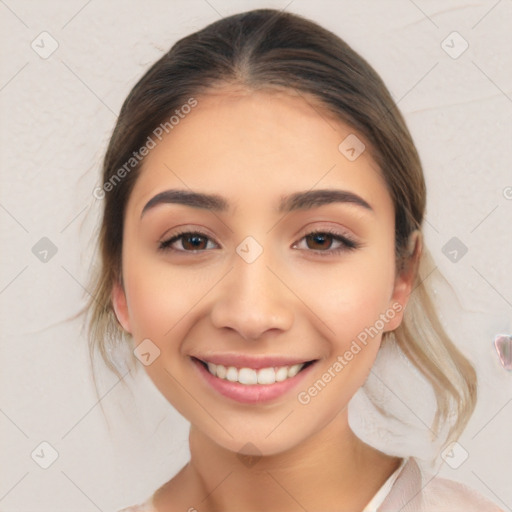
194	241
321	239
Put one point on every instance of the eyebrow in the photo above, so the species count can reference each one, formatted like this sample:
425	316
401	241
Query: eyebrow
296	201
312	198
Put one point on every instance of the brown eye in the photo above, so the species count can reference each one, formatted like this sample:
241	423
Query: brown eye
194	242
319	241
189	241
325	243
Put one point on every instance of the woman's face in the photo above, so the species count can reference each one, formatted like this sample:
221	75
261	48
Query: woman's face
241	280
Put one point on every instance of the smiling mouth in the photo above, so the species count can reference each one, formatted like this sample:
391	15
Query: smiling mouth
252	376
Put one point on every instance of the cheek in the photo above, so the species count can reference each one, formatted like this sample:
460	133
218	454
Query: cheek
157	299
355	302
352	297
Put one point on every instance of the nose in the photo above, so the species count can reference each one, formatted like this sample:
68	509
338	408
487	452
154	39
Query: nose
252	300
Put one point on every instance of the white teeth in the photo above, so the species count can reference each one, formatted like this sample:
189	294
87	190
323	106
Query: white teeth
266	376
220	371
294	370
282	374
250	376
232	374
247	376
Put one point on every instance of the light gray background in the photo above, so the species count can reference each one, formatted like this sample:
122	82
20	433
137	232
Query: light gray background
57	115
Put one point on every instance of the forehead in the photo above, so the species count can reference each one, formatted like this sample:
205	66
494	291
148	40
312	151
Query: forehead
258	143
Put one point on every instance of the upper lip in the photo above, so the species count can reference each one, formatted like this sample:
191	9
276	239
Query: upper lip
245	361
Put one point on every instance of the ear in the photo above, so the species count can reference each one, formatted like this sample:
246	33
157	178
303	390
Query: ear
404	280
121	306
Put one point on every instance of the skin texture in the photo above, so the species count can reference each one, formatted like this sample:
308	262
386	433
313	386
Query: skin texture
252	149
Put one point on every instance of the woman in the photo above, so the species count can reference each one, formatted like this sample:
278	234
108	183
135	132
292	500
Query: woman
261	239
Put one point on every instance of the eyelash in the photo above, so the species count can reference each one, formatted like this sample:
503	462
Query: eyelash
348	244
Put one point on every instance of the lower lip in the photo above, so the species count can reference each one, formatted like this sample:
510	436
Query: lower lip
251	394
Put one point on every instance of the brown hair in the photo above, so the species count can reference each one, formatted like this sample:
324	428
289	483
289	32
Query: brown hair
272	49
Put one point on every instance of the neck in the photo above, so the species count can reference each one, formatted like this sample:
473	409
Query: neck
331	470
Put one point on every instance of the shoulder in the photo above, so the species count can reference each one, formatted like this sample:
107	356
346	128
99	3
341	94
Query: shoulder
441	492
144	507
416	491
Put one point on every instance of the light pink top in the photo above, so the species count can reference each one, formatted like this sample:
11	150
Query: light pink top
409	490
